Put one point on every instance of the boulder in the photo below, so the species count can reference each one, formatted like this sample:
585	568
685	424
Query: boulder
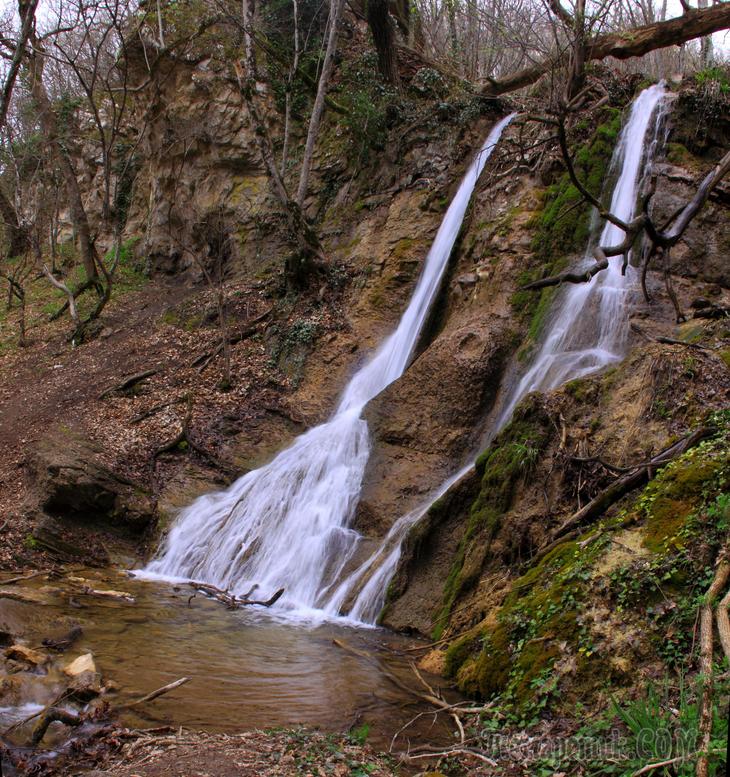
26	655
75	496
84	663
85	686
70	481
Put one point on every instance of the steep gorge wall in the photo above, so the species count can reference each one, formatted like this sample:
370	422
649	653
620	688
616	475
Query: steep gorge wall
537	629
199	169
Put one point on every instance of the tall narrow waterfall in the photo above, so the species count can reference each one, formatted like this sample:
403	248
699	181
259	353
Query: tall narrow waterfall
286	525
587	330
589	325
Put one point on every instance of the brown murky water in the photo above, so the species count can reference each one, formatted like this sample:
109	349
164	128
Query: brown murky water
247	669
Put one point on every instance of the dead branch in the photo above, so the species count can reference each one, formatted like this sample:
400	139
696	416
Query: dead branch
156	694
12	580
60	644
661	764
640	475
465	752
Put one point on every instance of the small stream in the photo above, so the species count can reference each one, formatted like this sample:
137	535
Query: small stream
247	669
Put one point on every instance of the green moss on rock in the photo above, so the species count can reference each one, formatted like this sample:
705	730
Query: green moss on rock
510	458
673	496
564	224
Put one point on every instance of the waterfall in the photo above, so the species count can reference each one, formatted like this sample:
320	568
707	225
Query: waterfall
588	330
589	326
286	525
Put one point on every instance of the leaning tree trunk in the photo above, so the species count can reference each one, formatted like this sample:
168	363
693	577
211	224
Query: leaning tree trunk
624	45
318	107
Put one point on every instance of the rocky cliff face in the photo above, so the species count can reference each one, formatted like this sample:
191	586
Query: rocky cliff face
201	186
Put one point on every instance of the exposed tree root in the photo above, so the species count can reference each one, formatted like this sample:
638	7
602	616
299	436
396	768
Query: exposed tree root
128	383
204	359
183	436
722	573
52	715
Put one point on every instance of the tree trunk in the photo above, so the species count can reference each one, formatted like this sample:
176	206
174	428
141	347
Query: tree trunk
49	125
305	237
318	107
624	45
384	39
16	235
706	53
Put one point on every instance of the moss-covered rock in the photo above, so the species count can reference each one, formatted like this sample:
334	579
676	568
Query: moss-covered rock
501	467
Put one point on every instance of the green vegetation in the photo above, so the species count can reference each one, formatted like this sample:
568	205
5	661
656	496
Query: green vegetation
563	225
545	647
291	346
507	462
714	76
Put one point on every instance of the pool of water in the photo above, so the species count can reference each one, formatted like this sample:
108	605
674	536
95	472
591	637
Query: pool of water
247	667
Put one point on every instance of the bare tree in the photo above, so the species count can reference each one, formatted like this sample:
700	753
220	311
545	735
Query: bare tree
309	249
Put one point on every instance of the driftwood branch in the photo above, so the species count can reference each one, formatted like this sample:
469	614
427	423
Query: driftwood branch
155	694
234	602
18	579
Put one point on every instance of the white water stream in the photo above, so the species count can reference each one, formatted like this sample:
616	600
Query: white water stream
286	525
586	332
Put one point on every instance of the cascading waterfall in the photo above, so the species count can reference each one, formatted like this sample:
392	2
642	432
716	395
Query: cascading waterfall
587	331
285	525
